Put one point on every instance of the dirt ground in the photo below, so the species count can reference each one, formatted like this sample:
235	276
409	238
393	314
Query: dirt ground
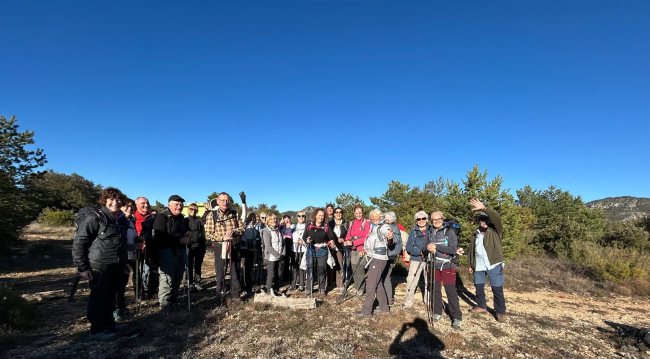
541	324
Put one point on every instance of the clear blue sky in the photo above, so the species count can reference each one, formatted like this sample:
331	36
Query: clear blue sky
296	102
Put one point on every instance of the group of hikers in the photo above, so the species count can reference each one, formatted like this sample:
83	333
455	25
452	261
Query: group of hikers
315	256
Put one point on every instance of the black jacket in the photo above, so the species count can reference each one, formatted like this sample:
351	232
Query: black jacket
100	239
194	224
168	230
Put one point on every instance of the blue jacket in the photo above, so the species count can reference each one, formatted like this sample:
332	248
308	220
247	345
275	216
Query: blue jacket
417	243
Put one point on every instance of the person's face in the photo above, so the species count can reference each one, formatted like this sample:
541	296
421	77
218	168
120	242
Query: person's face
375	219
272	221
175	207
142	205
113	204
330	211
320	216
421	221
192	211
253	219
287	221
338	214
436	220
482	223
301	217
263	218
358	214
223	202
128	209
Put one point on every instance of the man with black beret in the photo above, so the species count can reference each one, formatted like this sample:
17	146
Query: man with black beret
171	234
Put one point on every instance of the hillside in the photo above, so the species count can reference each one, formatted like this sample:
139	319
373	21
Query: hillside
622	208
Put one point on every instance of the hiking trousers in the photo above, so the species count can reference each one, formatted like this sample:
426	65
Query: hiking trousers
360	274
412	280
103	290
447	277
219	263
171	263
388	281
375	287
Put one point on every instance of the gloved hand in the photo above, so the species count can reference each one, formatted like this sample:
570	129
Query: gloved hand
242	195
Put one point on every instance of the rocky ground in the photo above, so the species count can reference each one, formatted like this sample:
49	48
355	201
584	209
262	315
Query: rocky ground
541	324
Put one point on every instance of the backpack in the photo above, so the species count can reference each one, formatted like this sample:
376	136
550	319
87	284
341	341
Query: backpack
455	226
91	211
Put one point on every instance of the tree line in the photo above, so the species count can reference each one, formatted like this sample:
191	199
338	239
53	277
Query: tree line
548	221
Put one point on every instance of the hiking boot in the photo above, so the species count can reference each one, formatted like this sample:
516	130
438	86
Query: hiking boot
379	311
501	318
456	324
391	303
291	288
117	328
301	288
103	336
478	310
323	292
197	283
436	317
121	314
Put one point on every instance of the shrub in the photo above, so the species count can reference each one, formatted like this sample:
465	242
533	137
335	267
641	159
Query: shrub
614	264
626	235
56	217
16	312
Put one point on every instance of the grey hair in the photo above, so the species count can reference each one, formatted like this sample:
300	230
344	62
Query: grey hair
438	212
376	212
420	214
390	217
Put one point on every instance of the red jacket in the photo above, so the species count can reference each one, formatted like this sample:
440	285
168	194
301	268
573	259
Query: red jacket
356	231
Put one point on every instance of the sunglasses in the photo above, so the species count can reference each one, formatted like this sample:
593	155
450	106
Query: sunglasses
422	219
338	212
192	209
301	216
263	217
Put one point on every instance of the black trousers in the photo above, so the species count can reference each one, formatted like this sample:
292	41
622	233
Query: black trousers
120	302
103	290
195	261
247	261
272	278
219	265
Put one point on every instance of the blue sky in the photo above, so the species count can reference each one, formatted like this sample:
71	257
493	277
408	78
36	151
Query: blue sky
296	102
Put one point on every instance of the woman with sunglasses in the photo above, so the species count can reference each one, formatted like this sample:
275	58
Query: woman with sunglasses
317	234
286	229
120	311
299	249
197	247
339	229
273	251
415	244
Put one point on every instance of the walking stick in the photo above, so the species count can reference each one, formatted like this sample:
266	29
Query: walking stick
432	287
310	269
137	281
187	276
225	270
347	282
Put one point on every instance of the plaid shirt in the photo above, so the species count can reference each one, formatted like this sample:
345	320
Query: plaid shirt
215	230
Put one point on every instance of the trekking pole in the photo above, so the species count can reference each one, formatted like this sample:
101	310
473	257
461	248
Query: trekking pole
347	282
432	287
310	270
137	280
187	276
225	270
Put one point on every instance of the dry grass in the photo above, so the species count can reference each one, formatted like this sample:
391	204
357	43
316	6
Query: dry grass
540	324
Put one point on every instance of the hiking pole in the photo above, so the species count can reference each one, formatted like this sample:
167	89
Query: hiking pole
75	284
187	276
310	269
225	270
137	280
432	287
414	284
347	282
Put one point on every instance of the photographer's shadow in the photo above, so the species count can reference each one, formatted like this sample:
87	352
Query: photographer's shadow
423	345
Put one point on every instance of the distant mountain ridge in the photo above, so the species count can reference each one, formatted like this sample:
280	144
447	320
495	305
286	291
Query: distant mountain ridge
622	208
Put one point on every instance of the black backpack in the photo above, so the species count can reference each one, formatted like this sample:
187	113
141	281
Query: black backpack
455	226
91	211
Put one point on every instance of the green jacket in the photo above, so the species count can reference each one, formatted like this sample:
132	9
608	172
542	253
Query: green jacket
491	240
